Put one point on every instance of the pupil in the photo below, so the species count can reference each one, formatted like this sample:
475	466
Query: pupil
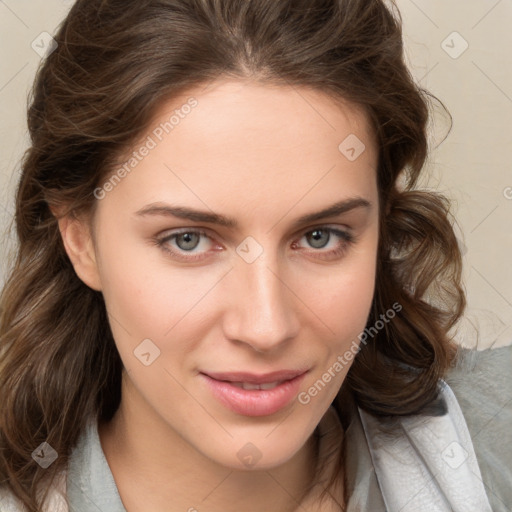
317	235
188	238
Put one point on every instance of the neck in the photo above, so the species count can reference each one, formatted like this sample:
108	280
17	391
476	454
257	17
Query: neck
177	477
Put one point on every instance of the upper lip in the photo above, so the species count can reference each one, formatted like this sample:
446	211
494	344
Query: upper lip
252	378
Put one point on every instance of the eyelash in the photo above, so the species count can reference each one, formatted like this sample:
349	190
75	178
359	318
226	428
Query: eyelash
348	239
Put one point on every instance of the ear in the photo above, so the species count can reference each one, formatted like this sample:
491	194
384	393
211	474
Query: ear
79	245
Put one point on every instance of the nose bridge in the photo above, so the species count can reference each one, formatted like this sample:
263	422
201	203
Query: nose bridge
262	311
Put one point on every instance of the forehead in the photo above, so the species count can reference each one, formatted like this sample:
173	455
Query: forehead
254	113
232	141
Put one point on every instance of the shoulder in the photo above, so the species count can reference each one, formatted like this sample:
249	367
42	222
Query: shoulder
482	383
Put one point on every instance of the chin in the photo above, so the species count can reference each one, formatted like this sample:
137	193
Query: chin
261	452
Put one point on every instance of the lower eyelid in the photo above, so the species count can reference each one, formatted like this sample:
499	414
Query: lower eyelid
174	236
345	238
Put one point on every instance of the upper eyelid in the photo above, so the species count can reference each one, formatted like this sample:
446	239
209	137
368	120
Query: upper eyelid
206	232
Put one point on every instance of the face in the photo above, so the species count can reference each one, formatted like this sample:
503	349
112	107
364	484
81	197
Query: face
231	303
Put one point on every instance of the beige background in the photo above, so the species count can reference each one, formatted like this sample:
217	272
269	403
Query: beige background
473	166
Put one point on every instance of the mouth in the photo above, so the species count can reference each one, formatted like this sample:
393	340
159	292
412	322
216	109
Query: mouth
249	386
255	395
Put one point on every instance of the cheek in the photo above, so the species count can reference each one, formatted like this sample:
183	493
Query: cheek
343	302
348	306
344	307
147	298
137	297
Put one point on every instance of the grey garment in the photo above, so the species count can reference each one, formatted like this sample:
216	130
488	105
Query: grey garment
90	485
429	462
482	383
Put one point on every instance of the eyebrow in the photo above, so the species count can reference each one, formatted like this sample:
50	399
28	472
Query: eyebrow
182	212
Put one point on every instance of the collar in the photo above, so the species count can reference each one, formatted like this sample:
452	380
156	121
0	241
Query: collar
90	483
431	465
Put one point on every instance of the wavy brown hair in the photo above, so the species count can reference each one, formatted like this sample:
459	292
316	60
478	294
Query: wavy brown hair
116	62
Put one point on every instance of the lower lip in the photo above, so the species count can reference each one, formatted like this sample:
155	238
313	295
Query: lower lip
254	402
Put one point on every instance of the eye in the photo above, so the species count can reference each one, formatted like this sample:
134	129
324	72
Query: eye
185	242
182	245
319	238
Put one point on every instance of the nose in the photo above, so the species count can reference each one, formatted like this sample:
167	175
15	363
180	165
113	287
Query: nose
262	310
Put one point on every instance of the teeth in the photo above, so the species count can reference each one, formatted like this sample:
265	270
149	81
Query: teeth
269	385
250	386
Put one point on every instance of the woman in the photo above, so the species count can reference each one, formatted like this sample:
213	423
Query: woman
228	294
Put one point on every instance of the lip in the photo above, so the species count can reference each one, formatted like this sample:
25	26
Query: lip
254	378
254	402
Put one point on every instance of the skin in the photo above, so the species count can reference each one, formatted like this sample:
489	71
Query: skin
264	155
